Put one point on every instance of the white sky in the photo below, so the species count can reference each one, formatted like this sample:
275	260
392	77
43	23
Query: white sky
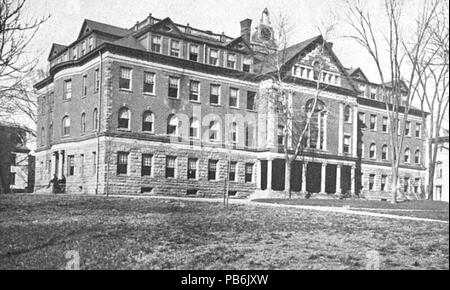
216	15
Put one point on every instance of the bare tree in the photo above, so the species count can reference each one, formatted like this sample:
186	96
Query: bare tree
402	88
433	81
293	122
16	66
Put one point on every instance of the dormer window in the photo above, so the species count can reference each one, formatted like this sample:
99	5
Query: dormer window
247	64
193	52
231	61
213	57
156	43
175	48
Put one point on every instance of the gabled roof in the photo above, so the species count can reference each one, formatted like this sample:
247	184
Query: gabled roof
130	42
235	43
353	72
55	50
104	28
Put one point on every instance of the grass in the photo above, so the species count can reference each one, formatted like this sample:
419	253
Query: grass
121	233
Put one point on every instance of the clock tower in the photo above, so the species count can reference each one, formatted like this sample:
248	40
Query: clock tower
264	34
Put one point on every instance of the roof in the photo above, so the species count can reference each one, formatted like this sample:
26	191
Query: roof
57	48
105	28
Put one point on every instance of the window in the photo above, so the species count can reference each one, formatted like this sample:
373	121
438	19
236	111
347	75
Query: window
84	86
12	178
213	57
70	165
193	52
407	155
251	100
234	133
408	128
247	64
234	97
384	127
192	168
347	114
175	48
384	152
383	182
94	163
83	48
173	87
347	144
172	125
194	128
212	169
362	118
66	126
147	121
439	170
417	156
125	78
418	130
83	123
280	135
248	135
406	184
371	181
95	119
194	91
214	131
82	165
124	118
122	163
233	167
215	95
67	90
149	83
231	61
156	43
373	122
373	151
97	80
74	53
248	172
170	166
373	96
91	43
146	169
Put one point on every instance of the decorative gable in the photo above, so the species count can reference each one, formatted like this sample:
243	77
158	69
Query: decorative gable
166	26
240	44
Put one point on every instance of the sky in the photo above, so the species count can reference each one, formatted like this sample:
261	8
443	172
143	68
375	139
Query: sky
215	15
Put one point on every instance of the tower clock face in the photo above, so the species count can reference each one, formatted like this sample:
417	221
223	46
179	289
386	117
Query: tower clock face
266	33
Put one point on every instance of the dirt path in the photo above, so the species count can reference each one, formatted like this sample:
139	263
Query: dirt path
352	211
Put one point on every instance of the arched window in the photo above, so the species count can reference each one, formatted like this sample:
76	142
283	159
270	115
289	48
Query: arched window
214	131
347	114
194	128
384	152
124	118
66	126
373	151
316	136
83	123
147	121
417	157
95	119
172	125
407	155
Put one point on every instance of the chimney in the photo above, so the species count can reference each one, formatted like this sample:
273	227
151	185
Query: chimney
246	26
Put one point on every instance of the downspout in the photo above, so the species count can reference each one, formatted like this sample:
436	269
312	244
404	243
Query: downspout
99	103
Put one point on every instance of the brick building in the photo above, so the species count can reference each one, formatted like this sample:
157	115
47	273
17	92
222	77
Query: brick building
164	108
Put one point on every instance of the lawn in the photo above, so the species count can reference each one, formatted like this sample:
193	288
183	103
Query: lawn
122	233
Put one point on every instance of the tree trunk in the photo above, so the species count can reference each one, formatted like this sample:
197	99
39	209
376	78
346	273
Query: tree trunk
430	187
287	179
394	186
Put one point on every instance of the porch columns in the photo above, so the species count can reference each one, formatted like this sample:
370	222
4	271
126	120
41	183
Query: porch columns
259	174
304	170
338	179
341	128
269	174
323	178
352	185
61	164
